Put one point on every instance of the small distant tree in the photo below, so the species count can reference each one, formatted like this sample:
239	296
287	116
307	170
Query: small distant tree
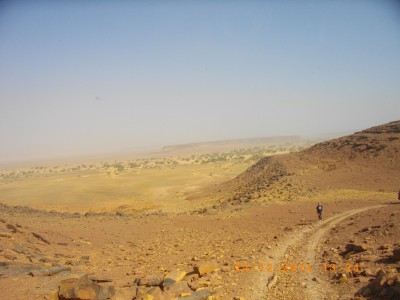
133	165
119	167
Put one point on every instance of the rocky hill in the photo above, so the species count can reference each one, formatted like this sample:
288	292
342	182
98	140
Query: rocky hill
367	161
380	142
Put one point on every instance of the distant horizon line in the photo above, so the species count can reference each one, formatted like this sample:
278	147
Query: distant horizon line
145	150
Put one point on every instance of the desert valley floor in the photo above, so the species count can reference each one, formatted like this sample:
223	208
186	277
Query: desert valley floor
232	225
243	251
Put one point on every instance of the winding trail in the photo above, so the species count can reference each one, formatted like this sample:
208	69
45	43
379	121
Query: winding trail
301	246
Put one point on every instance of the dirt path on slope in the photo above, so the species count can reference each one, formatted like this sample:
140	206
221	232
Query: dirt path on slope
292	271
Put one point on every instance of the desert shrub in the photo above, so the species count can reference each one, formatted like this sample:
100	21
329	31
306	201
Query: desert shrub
119	167
329	167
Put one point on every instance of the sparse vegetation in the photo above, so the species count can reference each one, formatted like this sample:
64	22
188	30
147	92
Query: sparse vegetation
240	156
102	181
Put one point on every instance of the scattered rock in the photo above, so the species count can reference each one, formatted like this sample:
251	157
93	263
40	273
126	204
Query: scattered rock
385	247
177	289
272	281
369	258
352	248
41	237
100	279
9	256
12	228
205	267
84	288
383	286
85	259
367	272
141	291
317	280
10	269
226	269
152	280
19	249
200	283
6	234
198	295
396	253
175	275
365	229
167	282
128	293
49	271
361	280
154	293
343	278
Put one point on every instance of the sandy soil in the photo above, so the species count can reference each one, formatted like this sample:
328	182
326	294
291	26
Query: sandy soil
132	190
123	249
178	232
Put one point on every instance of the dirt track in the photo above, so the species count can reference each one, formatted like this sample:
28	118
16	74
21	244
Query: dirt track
301	247
124	248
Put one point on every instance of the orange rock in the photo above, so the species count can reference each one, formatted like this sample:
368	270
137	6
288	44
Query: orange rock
205	267
175	275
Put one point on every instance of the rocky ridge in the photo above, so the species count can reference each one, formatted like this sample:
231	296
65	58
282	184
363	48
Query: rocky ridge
365	161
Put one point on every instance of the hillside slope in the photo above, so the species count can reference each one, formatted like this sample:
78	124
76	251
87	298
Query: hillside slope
366	161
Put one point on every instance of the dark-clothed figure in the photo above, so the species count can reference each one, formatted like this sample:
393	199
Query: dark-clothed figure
319	210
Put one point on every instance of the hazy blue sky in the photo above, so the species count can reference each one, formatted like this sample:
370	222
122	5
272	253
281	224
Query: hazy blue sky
79	77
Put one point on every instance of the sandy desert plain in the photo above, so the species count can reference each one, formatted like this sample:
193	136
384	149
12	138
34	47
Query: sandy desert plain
197	224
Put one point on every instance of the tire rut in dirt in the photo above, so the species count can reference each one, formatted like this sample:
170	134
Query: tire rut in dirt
297	276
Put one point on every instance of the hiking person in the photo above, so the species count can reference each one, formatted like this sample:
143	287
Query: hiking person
319	211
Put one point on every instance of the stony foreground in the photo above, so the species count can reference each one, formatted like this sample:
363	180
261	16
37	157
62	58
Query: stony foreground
210	255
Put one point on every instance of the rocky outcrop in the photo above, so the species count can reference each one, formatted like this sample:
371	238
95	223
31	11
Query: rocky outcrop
383	286
83	288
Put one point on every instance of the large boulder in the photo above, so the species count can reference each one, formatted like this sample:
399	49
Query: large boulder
177	289
396	253
84	289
